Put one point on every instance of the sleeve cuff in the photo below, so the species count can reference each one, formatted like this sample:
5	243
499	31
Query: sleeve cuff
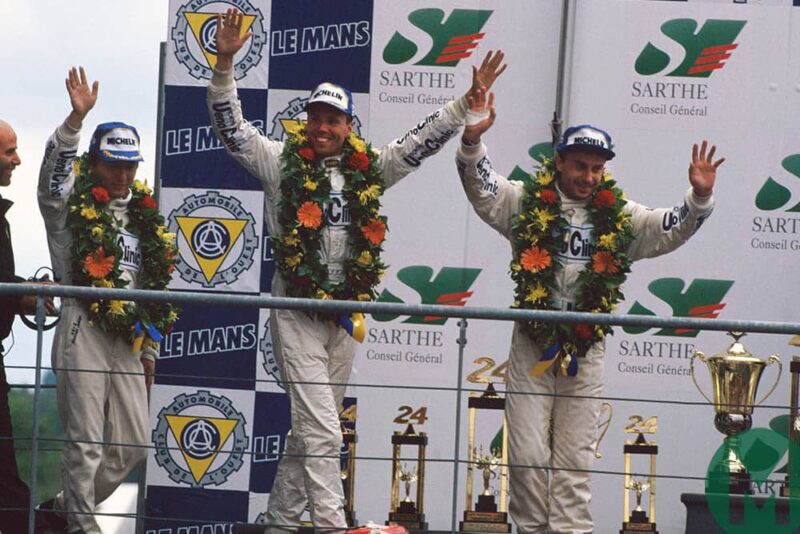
698	203
221	79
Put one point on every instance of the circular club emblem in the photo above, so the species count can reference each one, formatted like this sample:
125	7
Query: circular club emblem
200	439
217	239
289	117
195	31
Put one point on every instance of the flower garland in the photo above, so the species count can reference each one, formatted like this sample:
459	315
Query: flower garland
96	253
538	237
305	189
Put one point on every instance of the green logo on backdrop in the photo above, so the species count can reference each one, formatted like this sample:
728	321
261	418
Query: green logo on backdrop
761	451
773	195
449	288
702	299
453	39
705	50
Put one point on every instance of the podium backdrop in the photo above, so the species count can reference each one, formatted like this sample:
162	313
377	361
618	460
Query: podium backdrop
658	75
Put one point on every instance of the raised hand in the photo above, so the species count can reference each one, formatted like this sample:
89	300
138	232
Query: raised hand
481	116
81	96
703	169
483	77
229	38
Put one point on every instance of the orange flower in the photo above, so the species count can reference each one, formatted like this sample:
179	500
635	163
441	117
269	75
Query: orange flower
535	259
374	231
548	196
98	265
604	262
309	214
100	195
604	199
307	153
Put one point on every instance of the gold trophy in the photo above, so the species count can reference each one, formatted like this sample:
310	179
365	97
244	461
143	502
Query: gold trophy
735	375
791	484
639	521
406	512
488	515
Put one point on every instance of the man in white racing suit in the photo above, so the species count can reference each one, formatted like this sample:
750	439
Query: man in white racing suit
102	395
549	479
314	354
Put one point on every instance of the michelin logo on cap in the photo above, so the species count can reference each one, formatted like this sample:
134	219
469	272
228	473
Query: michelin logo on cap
333	95
588	138
116	141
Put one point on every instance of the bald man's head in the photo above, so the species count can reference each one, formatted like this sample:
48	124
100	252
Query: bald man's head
9	158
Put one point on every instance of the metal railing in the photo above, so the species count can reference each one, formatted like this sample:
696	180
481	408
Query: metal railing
463	313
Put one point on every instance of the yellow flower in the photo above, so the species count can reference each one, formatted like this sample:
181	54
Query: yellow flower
294	261
544	177
543	217
622	219
322	295
608	241
516	267
536	294
364	259
94	307
606	176
357	144
76	167
364	297
168	237
310	184
73	209
160	230
97	231
116	307
89	214
142	187
172	316
102	282
291	240
373	192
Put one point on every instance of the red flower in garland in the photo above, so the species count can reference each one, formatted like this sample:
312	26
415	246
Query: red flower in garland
583	331
359	161
100	195
604	199
307	153
309	215
148	202
548	196
535	259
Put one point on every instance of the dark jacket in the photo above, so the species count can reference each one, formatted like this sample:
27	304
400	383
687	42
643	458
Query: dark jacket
9	305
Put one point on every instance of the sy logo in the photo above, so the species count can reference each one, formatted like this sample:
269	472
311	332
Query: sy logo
773	195
453	39
449	288
702	299
705	50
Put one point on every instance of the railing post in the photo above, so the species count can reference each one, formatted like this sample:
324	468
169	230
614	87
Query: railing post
40	315
462	342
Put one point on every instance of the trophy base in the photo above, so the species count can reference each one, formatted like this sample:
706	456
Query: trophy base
484	521
639	522
407	519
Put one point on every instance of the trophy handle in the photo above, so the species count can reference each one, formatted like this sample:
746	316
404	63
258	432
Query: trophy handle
702	357
604	425
773	359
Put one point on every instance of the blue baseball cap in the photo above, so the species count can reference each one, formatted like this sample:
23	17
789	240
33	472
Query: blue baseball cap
116	141
587	138
333	95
